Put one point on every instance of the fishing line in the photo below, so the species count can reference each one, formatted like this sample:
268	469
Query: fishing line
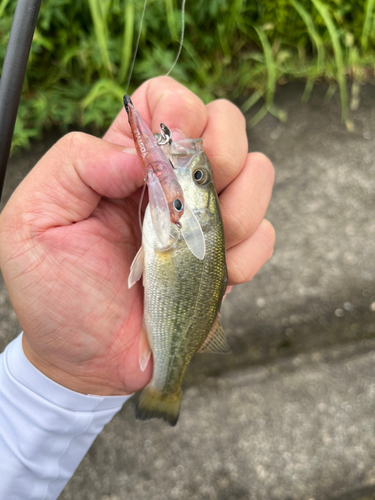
181	37
127	87
136	46
173	65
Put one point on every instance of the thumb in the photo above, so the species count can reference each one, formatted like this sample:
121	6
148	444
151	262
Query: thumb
67	184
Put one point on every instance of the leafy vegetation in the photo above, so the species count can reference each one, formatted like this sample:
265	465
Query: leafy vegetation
82	51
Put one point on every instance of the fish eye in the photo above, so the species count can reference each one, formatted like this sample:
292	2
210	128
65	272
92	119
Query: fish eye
177	204
200	176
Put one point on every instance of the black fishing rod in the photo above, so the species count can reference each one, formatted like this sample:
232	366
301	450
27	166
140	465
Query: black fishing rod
13	74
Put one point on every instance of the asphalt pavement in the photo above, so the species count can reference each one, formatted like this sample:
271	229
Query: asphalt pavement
290	415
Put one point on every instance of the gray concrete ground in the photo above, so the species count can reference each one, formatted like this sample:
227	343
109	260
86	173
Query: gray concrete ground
291	414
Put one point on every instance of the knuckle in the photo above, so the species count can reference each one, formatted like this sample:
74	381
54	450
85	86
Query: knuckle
162	80
232	108
171	94
228	108
265	163
237	274
241	227
227	162
192	105
72	142
238	226
268	238
242	269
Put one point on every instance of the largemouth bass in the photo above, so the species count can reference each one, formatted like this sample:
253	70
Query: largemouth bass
182	294
166	199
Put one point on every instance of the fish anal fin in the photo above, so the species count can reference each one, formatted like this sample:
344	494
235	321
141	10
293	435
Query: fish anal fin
216	340
136	269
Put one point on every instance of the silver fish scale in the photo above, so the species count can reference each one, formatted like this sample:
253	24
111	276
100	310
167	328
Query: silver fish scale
182	293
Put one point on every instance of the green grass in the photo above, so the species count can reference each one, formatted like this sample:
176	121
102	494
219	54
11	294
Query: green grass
82	52
368	22
337	50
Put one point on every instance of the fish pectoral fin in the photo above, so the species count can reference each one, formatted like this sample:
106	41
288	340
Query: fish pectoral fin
136	269
159	209
144	348
216	340
192	233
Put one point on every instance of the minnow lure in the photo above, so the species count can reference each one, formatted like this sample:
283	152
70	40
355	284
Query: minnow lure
166	198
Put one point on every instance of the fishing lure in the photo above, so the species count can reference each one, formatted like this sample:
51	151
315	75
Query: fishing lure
166	198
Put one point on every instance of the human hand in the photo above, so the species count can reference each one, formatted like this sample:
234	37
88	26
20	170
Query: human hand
70	231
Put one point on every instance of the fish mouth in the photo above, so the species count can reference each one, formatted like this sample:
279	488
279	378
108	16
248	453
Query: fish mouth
128	103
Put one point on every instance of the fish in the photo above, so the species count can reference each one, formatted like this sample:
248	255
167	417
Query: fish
182	294
166	197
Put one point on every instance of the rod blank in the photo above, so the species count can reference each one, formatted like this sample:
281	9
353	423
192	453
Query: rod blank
13	74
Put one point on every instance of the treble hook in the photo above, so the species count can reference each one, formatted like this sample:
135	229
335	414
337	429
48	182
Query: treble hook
165	135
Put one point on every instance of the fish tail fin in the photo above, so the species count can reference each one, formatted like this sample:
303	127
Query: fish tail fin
156	404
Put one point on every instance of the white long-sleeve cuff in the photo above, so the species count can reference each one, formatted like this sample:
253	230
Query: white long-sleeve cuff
45	429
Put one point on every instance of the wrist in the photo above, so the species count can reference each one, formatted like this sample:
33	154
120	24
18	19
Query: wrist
84	383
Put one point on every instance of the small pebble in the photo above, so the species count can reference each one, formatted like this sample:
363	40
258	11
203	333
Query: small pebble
261	302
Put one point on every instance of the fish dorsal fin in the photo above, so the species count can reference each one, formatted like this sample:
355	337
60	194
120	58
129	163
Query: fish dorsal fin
136	269
216	340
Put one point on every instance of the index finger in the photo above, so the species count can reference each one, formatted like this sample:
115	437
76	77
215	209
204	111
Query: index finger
220	124
162	100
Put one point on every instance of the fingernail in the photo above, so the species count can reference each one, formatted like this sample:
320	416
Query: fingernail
177	135
143	360
130	151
